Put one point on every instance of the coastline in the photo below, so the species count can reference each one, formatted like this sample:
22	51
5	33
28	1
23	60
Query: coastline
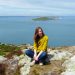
15	47
14	57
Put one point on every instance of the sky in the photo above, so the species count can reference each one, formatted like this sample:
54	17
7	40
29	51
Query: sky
37	7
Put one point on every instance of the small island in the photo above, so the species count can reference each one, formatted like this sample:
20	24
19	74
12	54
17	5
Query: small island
46	18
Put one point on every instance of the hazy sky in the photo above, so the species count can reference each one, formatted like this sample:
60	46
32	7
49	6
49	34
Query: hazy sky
37	7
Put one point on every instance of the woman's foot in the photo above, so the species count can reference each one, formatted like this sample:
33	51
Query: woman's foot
32	63
40	63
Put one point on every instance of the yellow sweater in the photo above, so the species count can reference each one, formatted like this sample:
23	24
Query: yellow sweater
43	42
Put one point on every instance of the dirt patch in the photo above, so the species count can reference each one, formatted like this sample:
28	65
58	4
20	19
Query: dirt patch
54	68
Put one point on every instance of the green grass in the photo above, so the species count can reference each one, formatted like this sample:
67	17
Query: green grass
4	49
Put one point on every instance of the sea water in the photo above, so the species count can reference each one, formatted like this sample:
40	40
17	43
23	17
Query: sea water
20	30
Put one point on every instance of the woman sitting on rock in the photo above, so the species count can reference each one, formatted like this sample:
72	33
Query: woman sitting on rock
39	53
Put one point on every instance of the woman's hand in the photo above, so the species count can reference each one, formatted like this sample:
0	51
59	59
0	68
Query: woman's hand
36	58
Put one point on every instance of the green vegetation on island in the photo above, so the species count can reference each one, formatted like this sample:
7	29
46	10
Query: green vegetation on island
45	18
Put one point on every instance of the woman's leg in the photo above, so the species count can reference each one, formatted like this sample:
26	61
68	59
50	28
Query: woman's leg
42	57
29	53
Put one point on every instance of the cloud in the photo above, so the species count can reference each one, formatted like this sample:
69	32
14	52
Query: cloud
14	4
37	7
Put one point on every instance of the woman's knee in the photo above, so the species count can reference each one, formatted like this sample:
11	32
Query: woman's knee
43	55
27	52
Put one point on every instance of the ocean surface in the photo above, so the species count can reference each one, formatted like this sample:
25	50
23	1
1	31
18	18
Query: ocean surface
20	30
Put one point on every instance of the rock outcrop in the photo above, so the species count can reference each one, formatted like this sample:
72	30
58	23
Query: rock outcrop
61	62
8	66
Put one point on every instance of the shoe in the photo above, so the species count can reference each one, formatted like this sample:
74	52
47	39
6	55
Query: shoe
32	63
40	64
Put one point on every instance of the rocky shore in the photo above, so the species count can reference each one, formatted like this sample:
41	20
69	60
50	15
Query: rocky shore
15	62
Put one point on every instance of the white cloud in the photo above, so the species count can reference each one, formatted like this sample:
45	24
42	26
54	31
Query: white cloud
14	4
37	7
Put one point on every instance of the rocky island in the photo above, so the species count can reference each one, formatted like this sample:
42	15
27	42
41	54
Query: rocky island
46	18
13	61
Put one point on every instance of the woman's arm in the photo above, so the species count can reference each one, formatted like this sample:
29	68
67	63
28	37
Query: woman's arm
35	48
38	55
35	54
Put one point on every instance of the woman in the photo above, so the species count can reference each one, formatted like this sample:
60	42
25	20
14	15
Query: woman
40	46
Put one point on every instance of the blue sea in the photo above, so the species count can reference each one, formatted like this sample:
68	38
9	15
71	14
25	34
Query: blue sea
20	30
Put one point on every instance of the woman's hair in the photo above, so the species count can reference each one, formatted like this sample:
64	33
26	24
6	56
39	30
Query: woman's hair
36	36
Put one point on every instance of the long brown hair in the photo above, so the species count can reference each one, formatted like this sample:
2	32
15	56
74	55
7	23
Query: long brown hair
36	36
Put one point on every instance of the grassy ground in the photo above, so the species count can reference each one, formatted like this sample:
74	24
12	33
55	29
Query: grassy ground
6	49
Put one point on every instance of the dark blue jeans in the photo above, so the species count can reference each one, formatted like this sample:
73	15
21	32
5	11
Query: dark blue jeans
41	58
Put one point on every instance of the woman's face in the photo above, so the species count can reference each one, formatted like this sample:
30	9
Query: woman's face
40	33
